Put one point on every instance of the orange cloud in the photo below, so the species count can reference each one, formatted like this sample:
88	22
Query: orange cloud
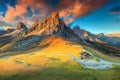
76	8
80	8
12	12
21	9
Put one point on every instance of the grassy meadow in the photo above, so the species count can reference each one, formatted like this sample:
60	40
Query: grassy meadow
53	63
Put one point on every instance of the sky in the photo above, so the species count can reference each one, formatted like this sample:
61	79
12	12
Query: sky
96	16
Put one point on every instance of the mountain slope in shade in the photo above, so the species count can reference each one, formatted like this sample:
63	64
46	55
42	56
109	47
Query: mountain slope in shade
85	35
10	37
2	32
5	31
114	41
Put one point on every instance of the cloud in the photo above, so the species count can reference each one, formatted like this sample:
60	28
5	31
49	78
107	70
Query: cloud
13	12
78	8
69	9
20	11
3	22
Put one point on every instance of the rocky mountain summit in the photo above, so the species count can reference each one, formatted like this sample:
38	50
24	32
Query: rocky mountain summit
52	26
22	38
21	26
21	29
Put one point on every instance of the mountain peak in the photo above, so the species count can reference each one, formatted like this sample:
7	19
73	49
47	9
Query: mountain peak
20	26
47	26
52	26
55	14
76	27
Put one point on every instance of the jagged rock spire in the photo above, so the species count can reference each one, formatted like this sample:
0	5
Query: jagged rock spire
55	15
52	26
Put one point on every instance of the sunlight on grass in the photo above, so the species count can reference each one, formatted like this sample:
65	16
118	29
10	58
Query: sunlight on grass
56	54
54	62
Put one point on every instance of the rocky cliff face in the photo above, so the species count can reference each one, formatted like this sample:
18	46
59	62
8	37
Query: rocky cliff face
27	38
52	26
21	26
47	26
21	29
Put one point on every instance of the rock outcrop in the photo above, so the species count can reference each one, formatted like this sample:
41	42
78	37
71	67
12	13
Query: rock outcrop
21	29
20	26
52	26
27	38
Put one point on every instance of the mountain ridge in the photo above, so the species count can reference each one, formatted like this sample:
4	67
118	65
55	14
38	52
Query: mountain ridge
24	38
85	35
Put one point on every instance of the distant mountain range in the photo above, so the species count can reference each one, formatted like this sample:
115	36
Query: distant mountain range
85	35
113	35
23	38
110	39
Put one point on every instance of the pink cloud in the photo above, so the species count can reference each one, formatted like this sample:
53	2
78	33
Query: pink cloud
76	8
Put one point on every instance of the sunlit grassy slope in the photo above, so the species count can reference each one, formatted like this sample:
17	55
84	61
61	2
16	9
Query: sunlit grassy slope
56	53
51	63
60	46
